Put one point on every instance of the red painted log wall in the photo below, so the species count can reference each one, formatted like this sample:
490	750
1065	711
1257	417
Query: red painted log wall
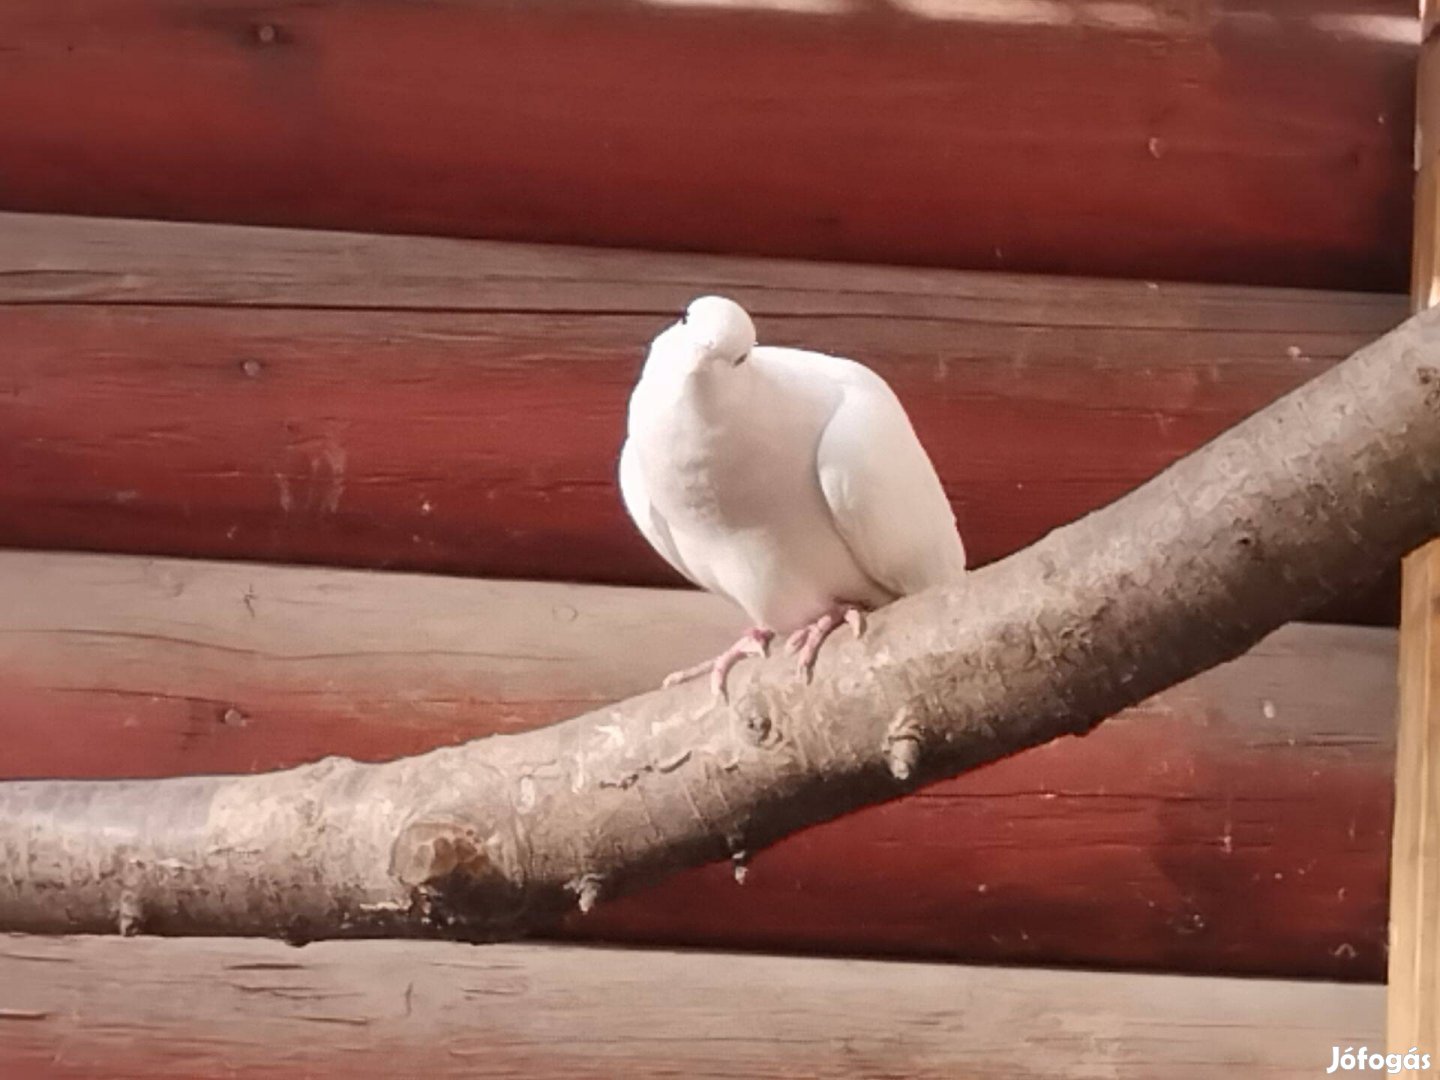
1216	140
456	407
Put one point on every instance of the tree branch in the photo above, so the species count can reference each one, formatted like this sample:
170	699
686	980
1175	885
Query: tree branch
1296	506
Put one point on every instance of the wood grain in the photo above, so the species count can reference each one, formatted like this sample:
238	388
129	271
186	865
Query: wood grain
1414	976
1424	279
453	406
87	1008
1425	272
1237	823
163	667
923	132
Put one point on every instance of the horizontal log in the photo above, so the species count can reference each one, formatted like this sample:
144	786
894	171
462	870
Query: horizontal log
451	406
1237	823
174	668
1208	148
203	1009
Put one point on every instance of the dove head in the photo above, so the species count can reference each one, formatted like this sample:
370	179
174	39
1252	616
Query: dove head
719	329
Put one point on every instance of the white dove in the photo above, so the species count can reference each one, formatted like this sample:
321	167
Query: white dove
788	481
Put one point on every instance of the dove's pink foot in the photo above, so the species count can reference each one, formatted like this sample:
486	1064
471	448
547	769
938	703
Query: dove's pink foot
805	643
754	642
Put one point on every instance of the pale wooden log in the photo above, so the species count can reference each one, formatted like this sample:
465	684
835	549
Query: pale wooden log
59	259
244	650
205	1009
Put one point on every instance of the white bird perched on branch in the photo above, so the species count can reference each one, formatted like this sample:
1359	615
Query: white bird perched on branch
788	481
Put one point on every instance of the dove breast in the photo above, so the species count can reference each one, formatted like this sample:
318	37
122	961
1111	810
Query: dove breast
788	481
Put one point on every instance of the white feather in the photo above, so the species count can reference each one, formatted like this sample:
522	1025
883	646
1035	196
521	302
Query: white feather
886	499
789	481
637	504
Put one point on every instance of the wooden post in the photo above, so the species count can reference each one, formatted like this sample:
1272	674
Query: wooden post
1414	998
1424	282
1414	990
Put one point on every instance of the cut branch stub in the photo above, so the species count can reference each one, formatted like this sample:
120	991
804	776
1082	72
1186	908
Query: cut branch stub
463	877
429	853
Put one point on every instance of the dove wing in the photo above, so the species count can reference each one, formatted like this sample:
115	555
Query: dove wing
637	502
882	490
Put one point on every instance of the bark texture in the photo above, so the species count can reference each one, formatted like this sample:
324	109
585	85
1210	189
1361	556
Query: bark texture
1298	505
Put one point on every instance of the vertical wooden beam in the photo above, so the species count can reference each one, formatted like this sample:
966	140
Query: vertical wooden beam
1424	287
1414	978
1414	996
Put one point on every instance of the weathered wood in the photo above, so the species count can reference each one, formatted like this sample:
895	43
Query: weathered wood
164	667
240	1010
1414	978
57	259
464	410
1425	271
1236	823
1209	149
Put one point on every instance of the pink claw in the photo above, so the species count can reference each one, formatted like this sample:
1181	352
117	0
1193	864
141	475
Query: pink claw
805	643
754	642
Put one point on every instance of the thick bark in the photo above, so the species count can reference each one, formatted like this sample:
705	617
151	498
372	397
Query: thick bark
1295	506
